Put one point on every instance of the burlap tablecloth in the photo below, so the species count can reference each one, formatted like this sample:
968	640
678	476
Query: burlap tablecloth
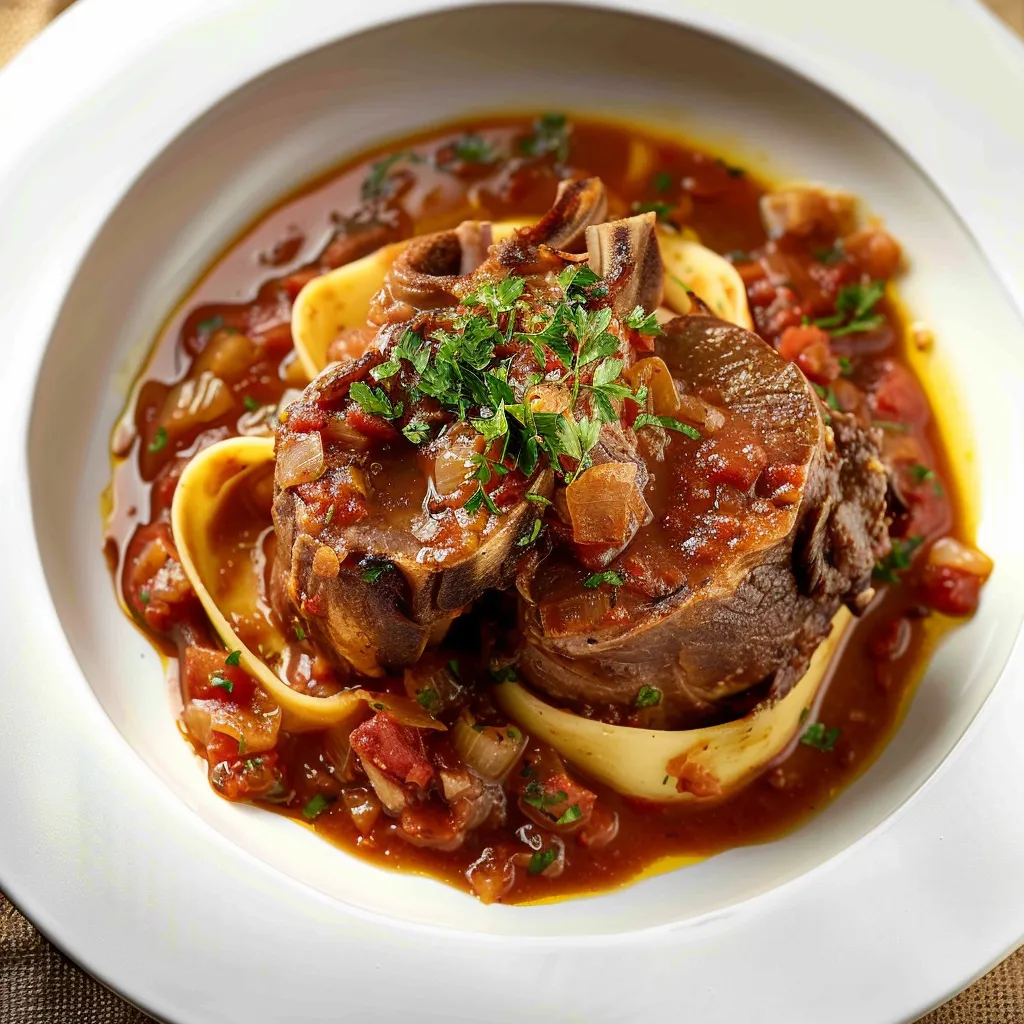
38	985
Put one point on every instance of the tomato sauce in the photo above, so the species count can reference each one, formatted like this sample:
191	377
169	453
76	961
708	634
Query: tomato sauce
224	362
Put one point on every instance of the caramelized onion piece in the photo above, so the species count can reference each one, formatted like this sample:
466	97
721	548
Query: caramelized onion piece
255	729
605	504
390	793
453	466
194	402
949	553
701	414
654	374
300	459
489	750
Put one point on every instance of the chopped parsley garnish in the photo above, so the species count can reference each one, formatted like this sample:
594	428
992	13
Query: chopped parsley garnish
570	815
159	442
609	576
251	403
922	473
221	683
830	256
646	419
504	675
471	148
530	537
845	366
211	325
662	181
315	807
732	171
645	323
890	425
376	185
647	697
300	633
241	744
374	401
818	736
550	136
416	432
828	396
453	667
481	497
428	699
144	596
253	763
329	516
658	207
538	498
853	309
374	568
534	795
234	658
898	559
542	860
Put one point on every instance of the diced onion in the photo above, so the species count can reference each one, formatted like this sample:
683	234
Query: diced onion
432	686
390	793
300	460
256	730
338	429
605	504
701	414
363	805
404	710
951	554
228	355
453	467
195	401
662	398
488	750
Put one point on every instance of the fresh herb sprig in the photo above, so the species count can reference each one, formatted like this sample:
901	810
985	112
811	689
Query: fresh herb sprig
854	305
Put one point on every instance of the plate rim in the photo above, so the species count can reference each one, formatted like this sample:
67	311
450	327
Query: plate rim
733	20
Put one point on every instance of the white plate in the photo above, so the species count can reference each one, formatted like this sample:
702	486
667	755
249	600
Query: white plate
134	162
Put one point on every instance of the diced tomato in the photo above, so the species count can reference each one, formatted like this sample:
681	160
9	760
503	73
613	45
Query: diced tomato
294	283
199	668
222	747
898	396
951	591
372	426
304	417
811	349
393	748
153	581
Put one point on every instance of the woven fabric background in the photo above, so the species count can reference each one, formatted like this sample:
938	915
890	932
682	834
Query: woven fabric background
38	985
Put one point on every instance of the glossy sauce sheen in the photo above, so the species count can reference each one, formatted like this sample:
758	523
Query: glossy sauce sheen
251	289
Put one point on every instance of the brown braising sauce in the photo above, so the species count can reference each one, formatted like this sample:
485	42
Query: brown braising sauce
230	343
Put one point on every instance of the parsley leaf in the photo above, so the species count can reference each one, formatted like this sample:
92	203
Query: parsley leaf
820	738
472	148
647	697
645	323
416	432
250	403
159	442
530	537
898	560
646	419
609	576
374	568
315	807
428	699
571	814
234	658
550	136
662	181
221	683
733	172
541	860
662	210
374	401
922	473
377	184
853	306
300	633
